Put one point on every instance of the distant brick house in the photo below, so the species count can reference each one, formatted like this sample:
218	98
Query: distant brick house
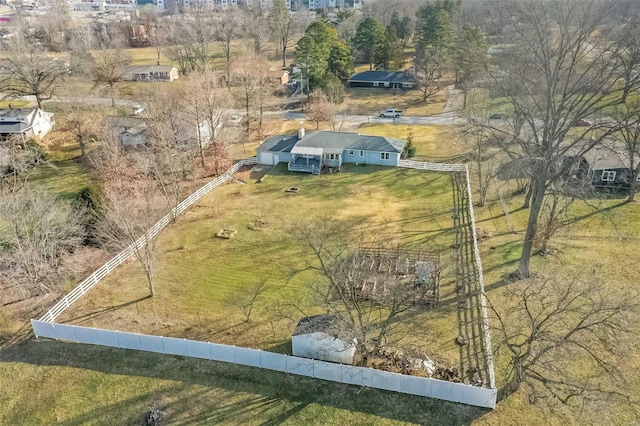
150	73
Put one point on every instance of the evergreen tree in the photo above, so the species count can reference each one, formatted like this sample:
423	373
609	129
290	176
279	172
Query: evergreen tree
371	41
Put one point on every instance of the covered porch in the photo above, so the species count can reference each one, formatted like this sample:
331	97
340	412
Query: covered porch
306	159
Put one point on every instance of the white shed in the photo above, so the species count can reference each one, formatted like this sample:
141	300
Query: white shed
319	337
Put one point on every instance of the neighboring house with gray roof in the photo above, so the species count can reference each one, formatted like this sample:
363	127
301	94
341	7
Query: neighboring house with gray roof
311	152
321	337
25	122
150	73
383	79
610	165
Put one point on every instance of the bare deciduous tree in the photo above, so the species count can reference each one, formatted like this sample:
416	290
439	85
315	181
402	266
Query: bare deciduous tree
255	27
35	230
109	69
320	109
27	71
249	73
208	103
245	298
429	65
565	341
189	37
82	120
364	293
128	212
17	164
227	29
483	155
282	26
168	156
554	74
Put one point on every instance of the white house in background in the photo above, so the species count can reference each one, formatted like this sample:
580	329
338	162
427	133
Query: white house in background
25	122
149	73
134	131
319	337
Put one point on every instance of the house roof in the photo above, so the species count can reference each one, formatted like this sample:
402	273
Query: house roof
279	143
15	113
324	323
338	141
382	76
607	158
319	142
145	69
17	120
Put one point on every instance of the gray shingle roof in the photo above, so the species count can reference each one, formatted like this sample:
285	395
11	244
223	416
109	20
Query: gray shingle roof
278	143
16	120
389	76
343	140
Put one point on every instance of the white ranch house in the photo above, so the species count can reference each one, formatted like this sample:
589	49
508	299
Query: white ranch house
311	152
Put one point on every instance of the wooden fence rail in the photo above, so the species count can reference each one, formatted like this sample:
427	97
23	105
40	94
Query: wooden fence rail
120	258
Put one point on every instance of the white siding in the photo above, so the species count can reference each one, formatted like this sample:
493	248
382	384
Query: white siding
370	157
273	158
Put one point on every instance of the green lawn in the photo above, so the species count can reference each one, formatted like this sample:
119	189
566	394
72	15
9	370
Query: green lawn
198	274
72	384
64	178
368	101
107	386
433	143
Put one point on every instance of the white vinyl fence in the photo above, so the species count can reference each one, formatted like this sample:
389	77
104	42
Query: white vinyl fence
125	254
348	374
434	167
483	296
433	388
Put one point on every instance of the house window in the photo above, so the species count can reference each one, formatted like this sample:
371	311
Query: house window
375	84
384	155
333	156
361	153
638	178
352	152
386	84
407	84
608	176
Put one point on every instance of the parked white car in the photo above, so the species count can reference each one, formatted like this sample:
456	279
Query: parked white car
391	113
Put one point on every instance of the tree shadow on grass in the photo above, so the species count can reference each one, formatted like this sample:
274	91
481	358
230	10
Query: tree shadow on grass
215	392
80	319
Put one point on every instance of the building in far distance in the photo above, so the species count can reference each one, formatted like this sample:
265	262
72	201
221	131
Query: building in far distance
150	73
